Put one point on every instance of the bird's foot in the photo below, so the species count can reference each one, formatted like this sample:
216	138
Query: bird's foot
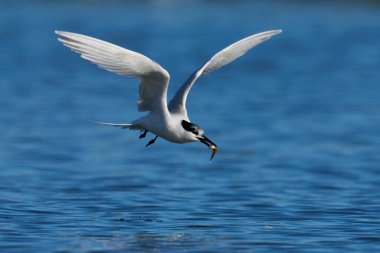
143	134
152	141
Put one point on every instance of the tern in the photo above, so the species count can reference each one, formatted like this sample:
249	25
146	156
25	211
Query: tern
169	122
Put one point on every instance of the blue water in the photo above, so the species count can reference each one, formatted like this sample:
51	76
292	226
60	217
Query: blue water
297	119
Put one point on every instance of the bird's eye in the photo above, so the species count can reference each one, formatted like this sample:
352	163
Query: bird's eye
190	127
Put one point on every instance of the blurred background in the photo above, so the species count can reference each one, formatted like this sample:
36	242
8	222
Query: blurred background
297	119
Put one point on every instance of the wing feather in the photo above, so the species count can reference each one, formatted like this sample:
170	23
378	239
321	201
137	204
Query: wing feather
222	58
154	79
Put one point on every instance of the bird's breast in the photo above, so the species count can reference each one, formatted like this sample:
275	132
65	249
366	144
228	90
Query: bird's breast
167	128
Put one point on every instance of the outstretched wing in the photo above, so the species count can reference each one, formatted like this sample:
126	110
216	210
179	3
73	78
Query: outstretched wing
154	79
227	55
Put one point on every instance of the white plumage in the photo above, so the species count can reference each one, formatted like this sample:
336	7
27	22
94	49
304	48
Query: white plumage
168	122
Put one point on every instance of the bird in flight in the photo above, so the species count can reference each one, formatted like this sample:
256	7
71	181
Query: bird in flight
169	122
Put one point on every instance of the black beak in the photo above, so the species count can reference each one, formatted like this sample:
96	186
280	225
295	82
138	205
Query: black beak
209	144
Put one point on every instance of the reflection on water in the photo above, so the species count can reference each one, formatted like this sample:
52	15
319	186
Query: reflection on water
296	118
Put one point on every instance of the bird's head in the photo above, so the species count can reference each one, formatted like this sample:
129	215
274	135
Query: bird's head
198	134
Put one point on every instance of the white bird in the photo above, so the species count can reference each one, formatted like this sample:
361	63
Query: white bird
168	122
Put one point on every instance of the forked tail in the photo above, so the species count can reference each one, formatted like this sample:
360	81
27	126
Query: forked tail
124	126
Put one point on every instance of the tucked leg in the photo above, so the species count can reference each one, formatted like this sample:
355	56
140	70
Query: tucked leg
143	134
152	141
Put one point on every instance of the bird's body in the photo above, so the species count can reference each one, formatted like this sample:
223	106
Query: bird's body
169	122
167	126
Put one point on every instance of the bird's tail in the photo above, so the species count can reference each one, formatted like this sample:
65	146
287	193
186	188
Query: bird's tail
129	126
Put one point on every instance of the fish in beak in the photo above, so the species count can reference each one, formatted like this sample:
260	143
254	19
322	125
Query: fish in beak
209	144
